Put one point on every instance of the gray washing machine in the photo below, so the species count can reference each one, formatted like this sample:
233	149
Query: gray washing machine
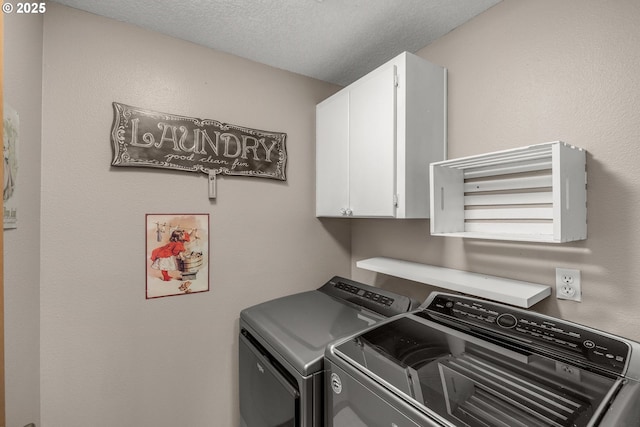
464	362
282	344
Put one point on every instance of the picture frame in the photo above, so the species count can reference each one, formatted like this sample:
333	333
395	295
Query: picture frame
176	254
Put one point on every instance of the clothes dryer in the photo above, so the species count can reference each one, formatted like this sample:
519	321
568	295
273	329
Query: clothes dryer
282	344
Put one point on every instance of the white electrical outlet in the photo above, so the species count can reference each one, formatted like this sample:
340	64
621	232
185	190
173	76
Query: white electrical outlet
568	284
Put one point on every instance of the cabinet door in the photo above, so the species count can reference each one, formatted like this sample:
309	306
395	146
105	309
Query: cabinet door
372	139
332	155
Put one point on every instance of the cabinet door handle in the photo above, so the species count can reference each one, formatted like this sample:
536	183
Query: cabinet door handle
346	212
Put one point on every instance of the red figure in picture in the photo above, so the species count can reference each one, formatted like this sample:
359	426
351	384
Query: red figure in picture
165	257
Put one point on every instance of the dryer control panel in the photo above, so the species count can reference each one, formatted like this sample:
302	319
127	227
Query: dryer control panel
375	299
578	342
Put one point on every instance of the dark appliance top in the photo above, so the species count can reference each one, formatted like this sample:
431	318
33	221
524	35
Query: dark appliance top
465	360
300	326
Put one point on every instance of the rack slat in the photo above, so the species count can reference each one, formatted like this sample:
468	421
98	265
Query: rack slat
508	184
515	213
542	197
512	228
506	169
539	151
498	160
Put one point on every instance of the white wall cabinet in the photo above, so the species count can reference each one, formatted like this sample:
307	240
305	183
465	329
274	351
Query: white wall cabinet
375	140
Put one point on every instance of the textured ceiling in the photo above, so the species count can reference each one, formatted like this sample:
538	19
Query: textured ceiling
332	40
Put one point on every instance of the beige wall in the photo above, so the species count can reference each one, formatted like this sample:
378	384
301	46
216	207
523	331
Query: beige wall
524	72
23	92
528	72
110	357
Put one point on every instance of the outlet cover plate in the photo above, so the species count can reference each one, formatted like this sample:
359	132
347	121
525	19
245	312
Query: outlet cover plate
568	284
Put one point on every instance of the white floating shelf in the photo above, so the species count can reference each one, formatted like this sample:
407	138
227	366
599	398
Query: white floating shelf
508	291
535	193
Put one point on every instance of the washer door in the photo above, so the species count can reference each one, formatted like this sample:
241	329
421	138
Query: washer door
267	397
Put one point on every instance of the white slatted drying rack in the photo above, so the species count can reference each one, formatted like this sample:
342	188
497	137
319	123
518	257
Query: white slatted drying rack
534	193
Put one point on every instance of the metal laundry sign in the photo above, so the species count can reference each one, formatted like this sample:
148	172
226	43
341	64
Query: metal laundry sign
152	139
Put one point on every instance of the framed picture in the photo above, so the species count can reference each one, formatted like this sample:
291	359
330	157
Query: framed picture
177	254
11	137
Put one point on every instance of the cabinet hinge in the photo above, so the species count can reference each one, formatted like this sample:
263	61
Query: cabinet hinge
395	200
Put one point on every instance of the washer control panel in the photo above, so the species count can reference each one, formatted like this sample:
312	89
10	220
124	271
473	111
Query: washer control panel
550	333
